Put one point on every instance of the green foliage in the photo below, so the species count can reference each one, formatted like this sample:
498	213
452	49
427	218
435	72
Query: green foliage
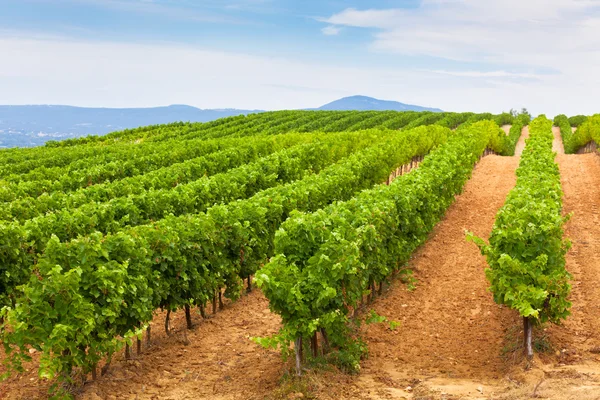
216	157
394	325
164	216
326	261
182	260
407	277
566	133
587	131
514	134
505	119
285	166
454	120
577	120
526	250
374	318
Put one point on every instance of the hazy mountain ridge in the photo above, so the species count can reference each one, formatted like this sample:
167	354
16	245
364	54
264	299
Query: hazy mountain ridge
364	103
36	124
33	125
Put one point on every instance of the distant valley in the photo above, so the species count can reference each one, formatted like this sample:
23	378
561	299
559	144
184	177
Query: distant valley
33	125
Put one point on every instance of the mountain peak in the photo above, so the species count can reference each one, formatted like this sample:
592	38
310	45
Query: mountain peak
366	103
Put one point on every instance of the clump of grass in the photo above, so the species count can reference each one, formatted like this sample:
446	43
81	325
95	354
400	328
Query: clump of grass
407	277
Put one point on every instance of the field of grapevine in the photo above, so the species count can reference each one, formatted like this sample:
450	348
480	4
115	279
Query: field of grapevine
382	254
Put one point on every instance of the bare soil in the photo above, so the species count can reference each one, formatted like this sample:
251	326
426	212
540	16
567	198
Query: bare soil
521	143
453	342
557	144
451	332
216	360
506	128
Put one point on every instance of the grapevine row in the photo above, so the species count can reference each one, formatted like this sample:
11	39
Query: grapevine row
86	160
588	131
326	261
86	293
232	154
30	238
526	250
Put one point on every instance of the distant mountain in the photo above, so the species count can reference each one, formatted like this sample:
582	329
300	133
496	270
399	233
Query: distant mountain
364	103
36	124
24	126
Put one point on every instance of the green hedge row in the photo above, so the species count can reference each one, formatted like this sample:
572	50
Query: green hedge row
526	250
326	261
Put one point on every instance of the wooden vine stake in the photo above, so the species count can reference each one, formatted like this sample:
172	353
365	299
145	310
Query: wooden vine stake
139	346
148	334
298	351
527	330
214	303
167	322
188	317
314	345
325	341
221	306
127	352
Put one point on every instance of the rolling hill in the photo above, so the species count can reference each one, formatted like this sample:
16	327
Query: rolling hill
33	125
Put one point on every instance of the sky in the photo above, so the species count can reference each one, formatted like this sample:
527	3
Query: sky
458	55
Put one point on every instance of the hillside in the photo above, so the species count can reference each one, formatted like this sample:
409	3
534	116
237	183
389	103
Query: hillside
182	242
33	125
364	103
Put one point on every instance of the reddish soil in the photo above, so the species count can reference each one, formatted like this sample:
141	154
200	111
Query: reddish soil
453	341
450	325
557	144
579	335
521	143
450	322
506	128
216	360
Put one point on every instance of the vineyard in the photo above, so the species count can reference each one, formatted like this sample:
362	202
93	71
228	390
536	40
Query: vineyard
333	254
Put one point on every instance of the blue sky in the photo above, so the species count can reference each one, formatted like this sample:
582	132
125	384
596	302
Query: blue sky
459	55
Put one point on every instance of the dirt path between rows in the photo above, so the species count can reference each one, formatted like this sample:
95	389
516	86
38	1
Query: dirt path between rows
216	360
557	144
577	340
452	331
453	341
521	143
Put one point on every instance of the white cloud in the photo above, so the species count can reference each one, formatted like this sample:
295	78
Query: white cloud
486	74
539	33
63	71
331	30
86	73
515	43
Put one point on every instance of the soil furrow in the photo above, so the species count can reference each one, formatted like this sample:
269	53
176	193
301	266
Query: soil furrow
521	143
450	325
580	178
215	360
